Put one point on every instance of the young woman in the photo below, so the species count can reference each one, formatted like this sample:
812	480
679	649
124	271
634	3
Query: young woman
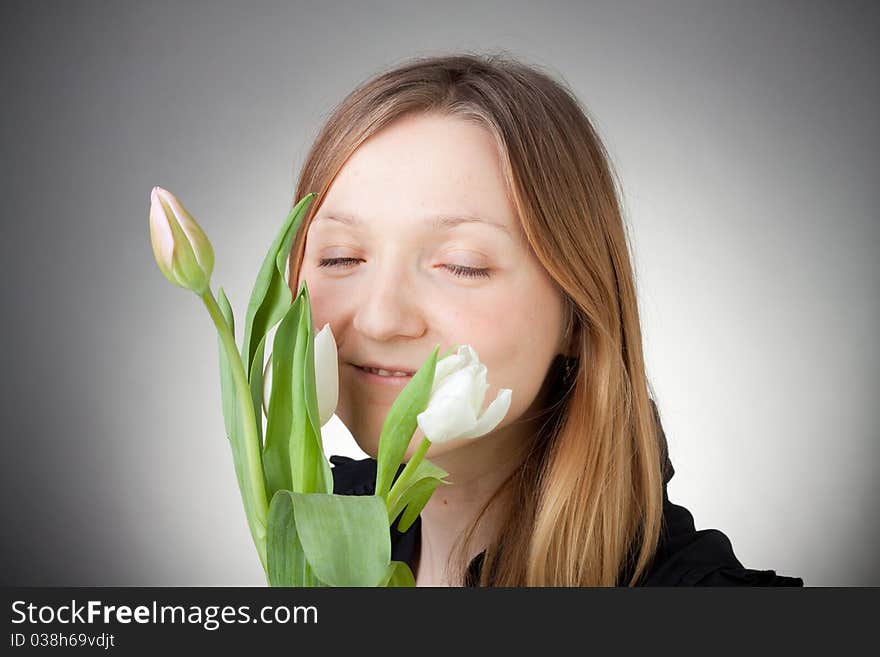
468	200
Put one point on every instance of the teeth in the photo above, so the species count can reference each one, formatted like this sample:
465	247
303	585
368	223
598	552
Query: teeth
385	372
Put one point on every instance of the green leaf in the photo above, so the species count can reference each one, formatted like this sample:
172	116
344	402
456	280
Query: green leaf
255	383
231	415
285	557
271	296
317	476
281	425
293	457
427	469
425	479
415	499
309	380
227	387
310	469
399	574
345	538
400	423
226	310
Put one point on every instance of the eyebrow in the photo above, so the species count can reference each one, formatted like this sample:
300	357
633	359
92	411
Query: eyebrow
437	222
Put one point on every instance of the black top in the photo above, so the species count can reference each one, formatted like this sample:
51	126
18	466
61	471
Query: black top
684	557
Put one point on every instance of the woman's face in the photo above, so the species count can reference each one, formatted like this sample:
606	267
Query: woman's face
392	282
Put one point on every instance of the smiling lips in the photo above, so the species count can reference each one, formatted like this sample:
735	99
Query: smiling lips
386	371
382	372
383	377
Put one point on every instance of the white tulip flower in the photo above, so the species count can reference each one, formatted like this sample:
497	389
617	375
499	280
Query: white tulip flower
326	373
456	402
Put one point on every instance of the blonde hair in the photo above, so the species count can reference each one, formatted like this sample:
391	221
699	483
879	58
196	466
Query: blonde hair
585	508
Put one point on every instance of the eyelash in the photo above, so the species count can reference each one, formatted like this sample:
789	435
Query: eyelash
458	270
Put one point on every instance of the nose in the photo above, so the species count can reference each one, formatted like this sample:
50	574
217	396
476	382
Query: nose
389	306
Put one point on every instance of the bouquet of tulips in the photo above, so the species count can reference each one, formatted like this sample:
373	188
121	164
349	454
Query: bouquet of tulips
304	534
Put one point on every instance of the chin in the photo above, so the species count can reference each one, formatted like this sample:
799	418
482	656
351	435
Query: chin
370	448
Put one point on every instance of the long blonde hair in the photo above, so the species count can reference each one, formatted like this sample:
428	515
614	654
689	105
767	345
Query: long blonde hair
585	508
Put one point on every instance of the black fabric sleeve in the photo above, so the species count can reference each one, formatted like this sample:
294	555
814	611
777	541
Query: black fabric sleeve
351	477
687	557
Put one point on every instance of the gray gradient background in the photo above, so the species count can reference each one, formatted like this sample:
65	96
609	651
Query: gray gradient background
746	136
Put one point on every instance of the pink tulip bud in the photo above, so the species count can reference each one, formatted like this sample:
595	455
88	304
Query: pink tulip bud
182	250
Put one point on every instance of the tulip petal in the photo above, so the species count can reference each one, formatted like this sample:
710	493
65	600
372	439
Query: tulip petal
195	236
457	397
326	373
446	418
445	368
161	236
478	388
469	353
185	266
492	416
458	384
182	250
267	386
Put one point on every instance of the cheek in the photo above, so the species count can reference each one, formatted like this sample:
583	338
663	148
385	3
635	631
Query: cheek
321	300
508	327
519	343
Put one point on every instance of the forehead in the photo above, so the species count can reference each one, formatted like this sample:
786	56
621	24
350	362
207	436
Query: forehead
439	171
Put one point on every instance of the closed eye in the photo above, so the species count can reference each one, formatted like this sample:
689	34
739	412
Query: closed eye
458	270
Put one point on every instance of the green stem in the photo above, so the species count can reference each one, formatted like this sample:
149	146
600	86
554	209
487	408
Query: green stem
253	490
402	482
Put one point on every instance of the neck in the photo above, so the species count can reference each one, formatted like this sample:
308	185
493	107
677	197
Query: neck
476	470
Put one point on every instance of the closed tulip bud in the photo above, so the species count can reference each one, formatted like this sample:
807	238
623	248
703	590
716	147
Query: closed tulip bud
326	376
326	373
455	406
182	250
